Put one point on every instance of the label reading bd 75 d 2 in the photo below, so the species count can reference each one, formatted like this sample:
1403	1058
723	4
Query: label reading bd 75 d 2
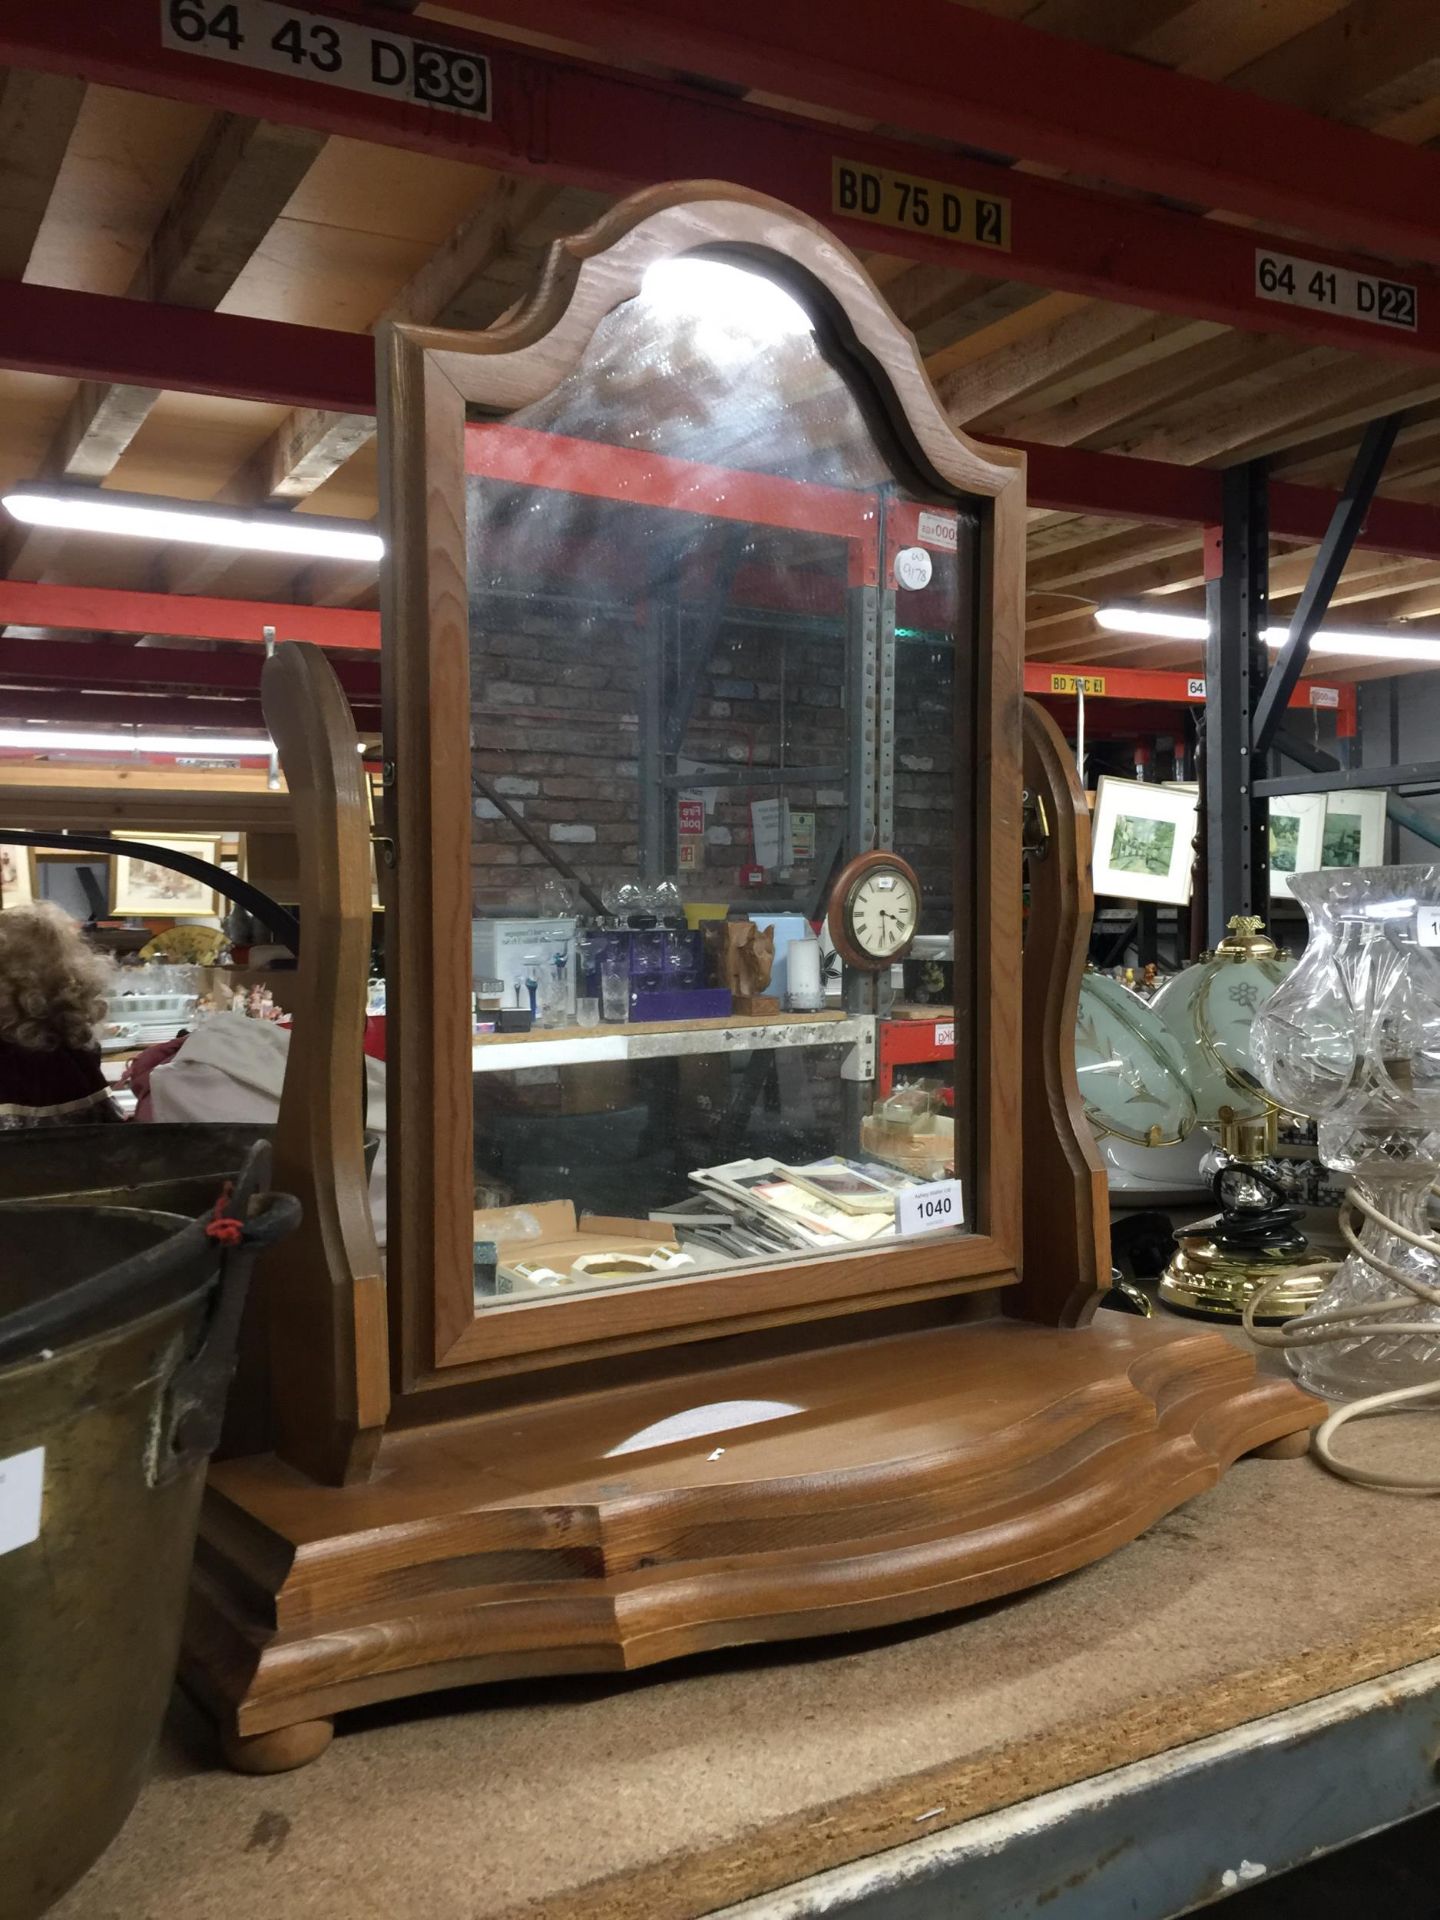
913	205
306	46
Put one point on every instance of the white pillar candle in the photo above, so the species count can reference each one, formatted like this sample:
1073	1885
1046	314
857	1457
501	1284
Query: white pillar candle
804	992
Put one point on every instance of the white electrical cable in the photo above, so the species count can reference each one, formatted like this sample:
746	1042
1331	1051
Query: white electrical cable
1360	1319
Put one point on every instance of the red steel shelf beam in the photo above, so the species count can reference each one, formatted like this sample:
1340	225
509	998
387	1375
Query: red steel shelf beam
939	69
1185	689
641	479
183	349
592	126
160	712
93	336
98	666
27	603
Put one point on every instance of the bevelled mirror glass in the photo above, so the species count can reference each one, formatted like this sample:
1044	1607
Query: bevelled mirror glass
722	644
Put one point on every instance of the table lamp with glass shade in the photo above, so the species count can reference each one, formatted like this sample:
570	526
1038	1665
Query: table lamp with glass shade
1352	1039
1255	1239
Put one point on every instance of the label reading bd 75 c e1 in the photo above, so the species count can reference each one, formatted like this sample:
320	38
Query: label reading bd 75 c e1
307	46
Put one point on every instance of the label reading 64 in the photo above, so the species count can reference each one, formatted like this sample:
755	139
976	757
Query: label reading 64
307	46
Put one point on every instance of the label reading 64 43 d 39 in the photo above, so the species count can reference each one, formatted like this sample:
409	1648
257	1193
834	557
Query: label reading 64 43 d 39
307	46
1359	296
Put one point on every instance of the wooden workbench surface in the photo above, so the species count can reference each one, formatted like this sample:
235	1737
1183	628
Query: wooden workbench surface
703	1783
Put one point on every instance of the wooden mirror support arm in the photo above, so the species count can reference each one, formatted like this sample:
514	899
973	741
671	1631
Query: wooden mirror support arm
323	1292
1067	1202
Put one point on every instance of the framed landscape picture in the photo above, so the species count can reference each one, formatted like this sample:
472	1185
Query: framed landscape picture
1354	830
141	886
1297	822
1144	841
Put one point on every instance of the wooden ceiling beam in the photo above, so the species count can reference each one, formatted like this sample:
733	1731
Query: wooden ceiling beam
1342	63
1029	333
1317	396
1116	554
1420	602
1116	24
1197	367
311	444
1095	343
1328	460
37	116
228	199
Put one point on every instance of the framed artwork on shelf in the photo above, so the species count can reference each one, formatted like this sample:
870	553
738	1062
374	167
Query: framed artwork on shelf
1354	830
17	875
1297	824
1144	839
140	886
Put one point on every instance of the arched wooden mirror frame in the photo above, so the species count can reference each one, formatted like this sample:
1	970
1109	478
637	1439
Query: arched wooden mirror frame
933	1462
428	379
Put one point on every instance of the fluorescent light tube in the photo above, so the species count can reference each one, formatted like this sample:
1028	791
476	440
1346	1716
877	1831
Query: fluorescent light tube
1330	640
62	740
144	517
1158	626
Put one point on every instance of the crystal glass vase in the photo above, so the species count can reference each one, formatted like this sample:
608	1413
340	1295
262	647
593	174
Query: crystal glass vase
1352	1040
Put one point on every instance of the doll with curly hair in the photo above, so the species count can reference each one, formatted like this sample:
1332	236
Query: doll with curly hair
52	999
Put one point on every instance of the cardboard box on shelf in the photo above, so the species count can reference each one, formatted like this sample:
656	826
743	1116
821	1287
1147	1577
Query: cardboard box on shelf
548	1236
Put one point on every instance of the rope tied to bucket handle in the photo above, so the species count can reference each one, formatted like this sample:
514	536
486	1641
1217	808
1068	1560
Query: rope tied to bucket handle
222	1225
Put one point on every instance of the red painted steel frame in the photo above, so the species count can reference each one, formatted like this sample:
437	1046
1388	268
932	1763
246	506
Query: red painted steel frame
640	479
102	666
182	349
592	126
158	712
943	70
26	603
1159	683
911	1043
100	337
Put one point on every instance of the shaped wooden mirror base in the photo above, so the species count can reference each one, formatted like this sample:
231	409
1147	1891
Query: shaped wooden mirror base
883	1481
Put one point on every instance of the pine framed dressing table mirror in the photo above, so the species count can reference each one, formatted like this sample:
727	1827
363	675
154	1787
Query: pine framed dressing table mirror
695	600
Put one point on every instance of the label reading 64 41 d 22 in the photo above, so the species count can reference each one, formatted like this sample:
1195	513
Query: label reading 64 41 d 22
307	46
1359	296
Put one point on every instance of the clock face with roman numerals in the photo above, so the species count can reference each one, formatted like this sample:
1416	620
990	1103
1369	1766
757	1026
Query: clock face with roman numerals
875	911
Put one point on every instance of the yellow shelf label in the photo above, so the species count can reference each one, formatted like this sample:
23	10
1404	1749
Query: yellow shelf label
913	205
1077	683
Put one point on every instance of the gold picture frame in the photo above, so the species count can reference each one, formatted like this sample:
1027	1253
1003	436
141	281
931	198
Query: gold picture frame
139	886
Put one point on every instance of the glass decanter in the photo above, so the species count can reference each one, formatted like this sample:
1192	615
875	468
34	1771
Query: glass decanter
1352	1040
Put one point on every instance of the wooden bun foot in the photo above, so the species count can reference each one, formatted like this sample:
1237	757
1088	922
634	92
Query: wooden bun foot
279	1751
1290	1446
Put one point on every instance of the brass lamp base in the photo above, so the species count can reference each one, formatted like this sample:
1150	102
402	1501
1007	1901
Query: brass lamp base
1217	1283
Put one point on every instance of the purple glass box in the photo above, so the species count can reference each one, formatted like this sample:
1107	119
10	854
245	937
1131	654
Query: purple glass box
682	1003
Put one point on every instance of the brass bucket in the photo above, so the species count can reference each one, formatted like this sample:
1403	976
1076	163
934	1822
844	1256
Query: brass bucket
170	1166
117	1338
